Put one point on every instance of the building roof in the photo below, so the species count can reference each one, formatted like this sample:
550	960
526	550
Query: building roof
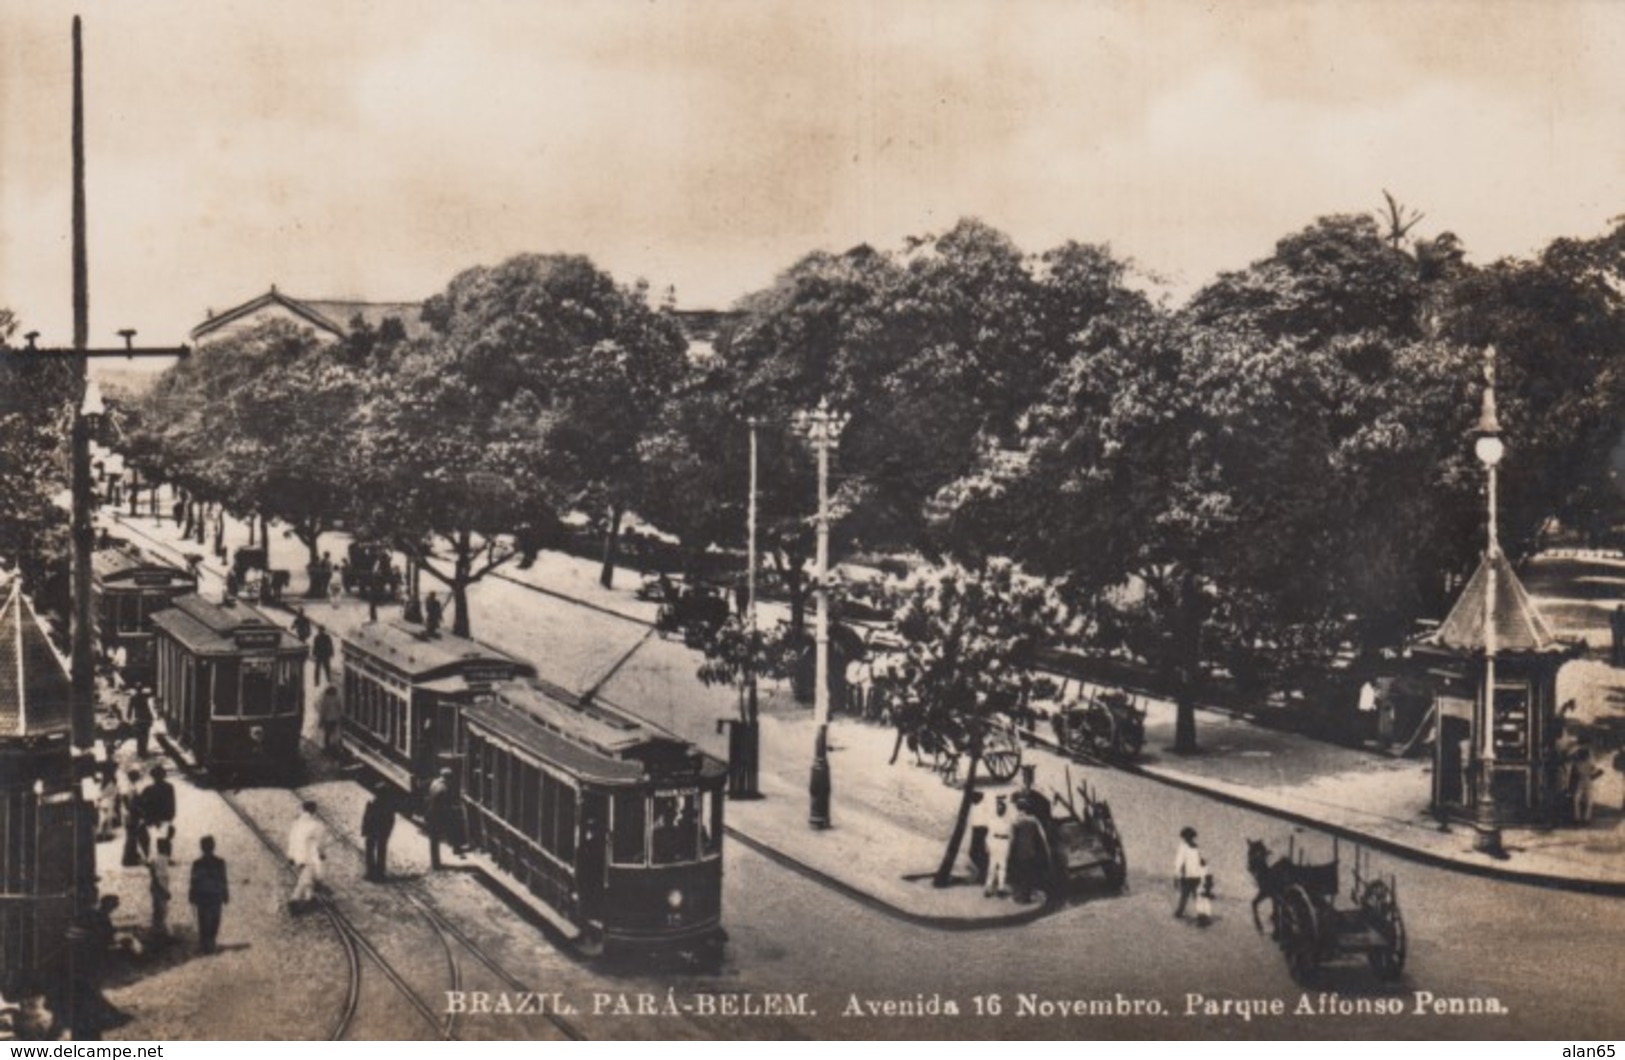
329	315
36	696
1519	625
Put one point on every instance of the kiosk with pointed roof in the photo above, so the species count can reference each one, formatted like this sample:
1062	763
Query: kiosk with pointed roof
1495	758
47	842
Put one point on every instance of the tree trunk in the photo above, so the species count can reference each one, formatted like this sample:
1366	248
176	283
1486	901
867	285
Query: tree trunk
950	857
1189	666
612	543
265	535
459	602
309	538
459	584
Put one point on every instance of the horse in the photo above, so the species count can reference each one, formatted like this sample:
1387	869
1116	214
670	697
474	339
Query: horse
1272	878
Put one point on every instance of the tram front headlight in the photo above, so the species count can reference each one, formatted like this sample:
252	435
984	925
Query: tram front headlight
674	898
257	734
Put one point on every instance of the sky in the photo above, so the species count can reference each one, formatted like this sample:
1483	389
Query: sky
372	150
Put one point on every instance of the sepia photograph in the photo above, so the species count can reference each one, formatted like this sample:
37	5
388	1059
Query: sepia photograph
714	520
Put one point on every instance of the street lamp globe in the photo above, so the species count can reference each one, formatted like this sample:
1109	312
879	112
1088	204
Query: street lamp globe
1489	449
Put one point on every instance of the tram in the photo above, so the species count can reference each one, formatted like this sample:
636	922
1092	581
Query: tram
230	686
127	589
612	825
606	826
402	692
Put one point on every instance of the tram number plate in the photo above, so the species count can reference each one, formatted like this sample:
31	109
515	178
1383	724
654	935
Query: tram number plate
675	793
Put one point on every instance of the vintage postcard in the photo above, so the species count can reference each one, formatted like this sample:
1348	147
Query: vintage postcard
879	519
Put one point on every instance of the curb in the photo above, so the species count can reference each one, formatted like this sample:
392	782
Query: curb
880	905
1611	888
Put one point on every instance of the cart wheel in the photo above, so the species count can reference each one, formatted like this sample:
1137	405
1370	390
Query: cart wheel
1001	753
1102	731
1133	738
1116	868
1382	915
1300	933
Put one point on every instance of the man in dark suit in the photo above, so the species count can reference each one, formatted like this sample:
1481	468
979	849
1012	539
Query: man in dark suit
158	808
209	893
377	824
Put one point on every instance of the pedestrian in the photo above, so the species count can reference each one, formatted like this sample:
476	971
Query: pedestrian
321	651
135	831
1029	854
329	713
107	802
1616	626
438	814
1031	799
1188	869
158	808
1204	899
413	611
141	719
301	624
306	840
998	850
432	614
209	893
377	823
158	882
1583	774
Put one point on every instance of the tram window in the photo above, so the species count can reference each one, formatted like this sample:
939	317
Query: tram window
676	829
530	798
258	690
627	841
710	823
564	821
225	678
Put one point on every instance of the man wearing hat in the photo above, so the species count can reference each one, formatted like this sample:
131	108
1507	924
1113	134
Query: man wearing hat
437	814
1188	868
998	849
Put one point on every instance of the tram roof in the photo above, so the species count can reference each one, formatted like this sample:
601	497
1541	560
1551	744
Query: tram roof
405	648
592	739
207	628
108	563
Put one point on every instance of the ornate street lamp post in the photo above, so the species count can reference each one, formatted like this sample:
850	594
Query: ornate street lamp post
823	428
1489	449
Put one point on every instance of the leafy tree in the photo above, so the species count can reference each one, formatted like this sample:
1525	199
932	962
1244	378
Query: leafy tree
970	644
36	402
529	397
1557	323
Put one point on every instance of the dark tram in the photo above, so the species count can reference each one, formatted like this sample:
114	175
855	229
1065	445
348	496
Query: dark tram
608	827
230	686
613	825
402	692
127	589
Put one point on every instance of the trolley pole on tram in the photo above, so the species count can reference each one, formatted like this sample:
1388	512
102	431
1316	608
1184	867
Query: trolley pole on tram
823	428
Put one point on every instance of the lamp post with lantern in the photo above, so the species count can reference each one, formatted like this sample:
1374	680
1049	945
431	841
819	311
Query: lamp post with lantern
823	427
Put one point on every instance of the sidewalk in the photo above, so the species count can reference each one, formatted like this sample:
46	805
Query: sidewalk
891	822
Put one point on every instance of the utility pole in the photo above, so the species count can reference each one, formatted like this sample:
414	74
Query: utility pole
83	674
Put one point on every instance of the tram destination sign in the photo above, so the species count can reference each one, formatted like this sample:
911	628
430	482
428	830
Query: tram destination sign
252	639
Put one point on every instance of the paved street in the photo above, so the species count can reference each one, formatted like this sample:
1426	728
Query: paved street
1469	938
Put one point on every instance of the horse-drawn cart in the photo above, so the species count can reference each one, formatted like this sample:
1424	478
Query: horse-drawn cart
1084	840
1312	929
1109	725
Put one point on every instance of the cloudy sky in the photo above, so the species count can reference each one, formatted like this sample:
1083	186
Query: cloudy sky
354	149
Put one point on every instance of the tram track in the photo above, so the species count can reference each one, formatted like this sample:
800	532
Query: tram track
447	931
